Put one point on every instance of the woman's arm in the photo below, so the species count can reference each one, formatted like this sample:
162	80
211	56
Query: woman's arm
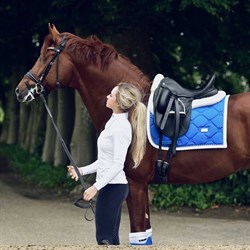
89	169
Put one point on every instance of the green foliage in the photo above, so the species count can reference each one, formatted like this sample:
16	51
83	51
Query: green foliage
187	38
35	172
1	115
213	7
233	190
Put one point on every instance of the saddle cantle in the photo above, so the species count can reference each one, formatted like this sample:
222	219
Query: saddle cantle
172	112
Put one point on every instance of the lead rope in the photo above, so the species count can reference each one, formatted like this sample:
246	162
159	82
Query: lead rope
72	162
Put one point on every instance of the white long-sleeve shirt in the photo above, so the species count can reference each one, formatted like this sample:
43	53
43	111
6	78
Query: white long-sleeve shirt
112	146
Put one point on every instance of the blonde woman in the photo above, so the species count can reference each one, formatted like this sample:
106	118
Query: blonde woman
125	128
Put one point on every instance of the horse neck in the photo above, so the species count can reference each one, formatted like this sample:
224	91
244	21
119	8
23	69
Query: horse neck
94	98
94	84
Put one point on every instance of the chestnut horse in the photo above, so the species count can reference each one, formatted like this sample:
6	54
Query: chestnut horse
94	68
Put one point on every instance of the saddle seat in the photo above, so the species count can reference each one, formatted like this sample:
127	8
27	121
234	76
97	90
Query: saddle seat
202	92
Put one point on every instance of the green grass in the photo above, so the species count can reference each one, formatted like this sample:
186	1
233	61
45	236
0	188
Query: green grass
1	115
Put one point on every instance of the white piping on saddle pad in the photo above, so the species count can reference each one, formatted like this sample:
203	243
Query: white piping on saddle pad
156	82
208	100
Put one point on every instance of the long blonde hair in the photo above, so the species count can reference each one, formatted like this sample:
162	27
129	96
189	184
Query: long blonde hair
129	99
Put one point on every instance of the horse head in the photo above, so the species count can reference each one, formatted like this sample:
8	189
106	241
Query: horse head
44	76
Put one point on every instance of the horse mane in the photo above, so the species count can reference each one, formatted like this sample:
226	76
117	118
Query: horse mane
92	50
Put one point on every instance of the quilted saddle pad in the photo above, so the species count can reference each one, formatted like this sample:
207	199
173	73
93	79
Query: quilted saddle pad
208	128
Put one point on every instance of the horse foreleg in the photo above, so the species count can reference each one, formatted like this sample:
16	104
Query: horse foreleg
138	207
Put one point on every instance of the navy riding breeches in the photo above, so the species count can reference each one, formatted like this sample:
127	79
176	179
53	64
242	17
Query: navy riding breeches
108	213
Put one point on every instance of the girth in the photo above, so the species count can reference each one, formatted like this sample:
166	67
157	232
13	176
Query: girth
172	112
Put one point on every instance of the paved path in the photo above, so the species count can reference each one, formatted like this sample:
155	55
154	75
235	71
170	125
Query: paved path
50	222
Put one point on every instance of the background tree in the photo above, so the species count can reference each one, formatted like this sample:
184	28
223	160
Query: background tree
50	133
187	40
65	118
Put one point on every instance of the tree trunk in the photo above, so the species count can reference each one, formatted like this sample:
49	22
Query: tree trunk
65	123
4	131
36	127
10	128
28	134
50	136
24	112
83	142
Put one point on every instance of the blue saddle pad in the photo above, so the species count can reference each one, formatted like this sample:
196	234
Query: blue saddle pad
208	129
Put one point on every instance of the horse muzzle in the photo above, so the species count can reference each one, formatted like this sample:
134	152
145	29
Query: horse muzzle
30	92
22	97
26	95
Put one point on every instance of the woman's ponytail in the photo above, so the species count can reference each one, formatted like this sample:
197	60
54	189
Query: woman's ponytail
139	138
129	99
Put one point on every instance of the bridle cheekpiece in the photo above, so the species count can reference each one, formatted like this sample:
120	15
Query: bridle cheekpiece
39	87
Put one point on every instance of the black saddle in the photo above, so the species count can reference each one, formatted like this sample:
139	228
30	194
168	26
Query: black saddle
172	112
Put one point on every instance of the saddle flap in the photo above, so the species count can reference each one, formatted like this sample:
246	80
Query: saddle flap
161	99
171	112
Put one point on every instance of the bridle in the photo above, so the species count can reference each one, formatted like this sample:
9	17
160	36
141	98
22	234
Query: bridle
39	90
39	87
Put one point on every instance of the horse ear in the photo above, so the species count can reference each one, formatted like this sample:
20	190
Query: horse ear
54	33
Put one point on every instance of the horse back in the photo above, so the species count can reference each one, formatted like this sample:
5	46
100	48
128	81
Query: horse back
239	122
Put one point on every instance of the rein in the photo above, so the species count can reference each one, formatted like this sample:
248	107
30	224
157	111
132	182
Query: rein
40	90
72	162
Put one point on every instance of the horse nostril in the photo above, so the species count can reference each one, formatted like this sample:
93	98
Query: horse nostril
17	91
29	99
